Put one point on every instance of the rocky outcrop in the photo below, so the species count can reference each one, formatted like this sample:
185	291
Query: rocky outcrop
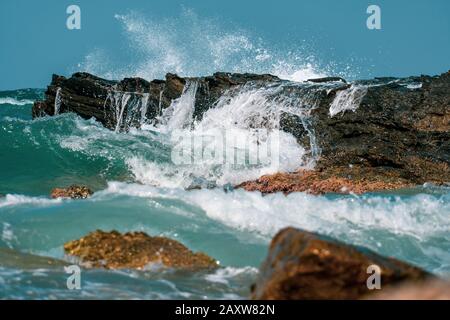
135	250
355	179
371	135
90	96
72	192
304	265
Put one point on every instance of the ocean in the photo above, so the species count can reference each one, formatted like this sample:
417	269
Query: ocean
138	188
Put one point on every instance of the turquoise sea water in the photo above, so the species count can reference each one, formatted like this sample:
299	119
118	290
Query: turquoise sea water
138	188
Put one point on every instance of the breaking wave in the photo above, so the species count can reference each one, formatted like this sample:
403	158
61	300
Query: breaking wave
15	102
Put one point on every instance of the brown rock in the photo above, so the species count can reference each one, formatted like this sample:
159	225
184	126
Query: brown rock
429	290
304	265
355	179
135	250
73	192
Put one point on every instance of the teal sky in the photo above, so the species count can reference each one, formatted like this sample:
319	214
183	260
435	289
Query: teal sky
331	35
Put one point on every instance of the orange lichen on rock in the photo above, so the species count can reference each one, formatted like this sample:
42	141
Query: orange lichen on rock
338	180
135	250
73	192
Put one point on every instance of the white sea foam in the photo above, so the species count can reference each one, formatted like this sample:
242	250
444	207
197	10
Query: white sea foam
16	199
240	122
420	216
224	275
57	101
14	101
180	112
348	99
414	86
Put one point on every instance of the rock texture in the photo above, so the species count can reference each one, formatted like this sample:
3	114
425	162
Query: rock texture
428	290
73	192
356	179
383	133
135	250
304	265
90	96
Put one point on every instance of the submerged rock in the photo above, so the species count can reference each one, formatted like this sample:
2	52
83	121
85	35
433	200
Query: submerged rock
135	250
304	265
73	192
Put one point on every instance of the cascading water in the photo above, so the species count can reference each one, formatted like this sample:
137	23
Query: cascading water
57	101
179	114
143	104
130	108
348	99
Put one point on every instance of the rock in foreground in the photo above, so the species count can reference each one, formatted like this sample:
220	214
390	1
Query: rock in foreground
72	192
135	250
304	265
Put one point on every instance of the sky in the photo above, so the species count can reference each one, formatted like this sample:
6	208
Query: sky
148	38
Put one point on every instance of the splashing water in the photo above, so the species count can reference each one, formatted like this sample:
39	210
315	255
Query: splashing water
179	115
130	108
57	101
348	99
191	46
140	188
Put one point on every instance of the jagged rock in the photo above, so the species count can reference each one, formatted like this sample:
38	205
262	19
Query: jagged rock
304	265
428	290
135	250
73	192
390	129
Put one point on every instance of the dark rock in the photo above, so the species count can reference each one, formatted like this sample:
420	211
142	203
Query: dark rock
90	96
73	192
397	136
304	265
135	250
399	128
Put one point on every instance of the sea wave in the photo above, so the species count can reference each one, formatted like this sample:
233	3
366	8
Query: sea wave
419	215
17	199
15	102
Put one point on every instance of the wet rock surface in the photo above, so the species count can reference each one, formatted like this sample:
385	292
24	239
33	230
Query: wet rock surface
304	265
396	131
72	192
135	250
